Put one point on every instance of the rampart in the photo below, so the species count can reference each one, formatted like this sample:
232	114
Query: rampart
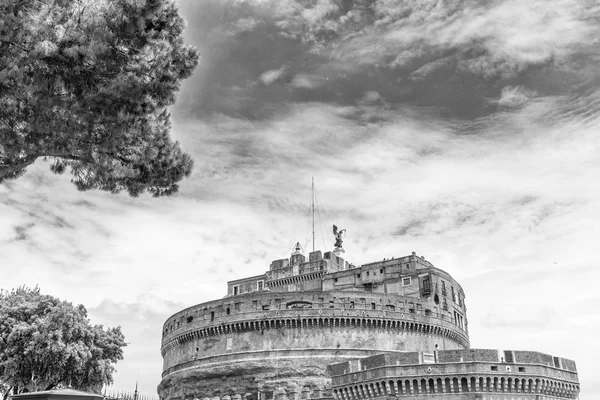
456	374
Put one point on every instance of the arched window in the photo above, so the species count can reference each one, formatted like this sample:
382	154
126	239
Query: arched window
464	385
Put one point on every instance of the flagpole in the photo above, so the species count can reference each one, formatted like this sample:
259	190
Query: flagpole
313	213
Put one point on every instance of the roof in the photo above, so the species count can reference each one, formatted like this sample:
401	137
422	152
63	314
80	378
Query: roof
71	394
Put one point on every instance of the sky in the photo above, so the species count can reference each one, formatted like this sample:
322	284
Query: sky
466	131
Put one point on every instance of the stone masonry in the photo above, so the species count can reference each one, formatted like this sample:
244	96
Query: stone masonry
321	327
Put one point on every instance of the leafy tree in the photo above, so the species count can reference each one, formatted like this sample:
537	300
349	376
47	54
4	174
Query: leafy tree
47	343
86	84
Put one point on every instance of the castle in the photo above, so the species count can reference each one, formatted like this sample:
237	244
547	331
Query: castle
322	328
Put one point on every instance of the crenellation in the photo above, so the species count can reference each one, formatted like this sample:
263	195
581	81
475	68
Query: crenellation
320	327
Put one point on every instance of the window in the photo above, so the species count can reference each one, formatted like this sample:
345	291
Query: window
426	286
331	304
228	311
212	315
372	306
458	320
255	304
190	319
367	273
390	307
358	275
260	285
406	281
335	280
351	304
494	368
236	290
411	310
453	294
237	306
265	307
381	271
443	288
521	369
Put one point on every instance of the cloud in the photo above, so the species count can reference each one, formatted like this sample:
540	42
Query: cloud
21	231
465	131
321	9
451	58
513	97
307	81
271	76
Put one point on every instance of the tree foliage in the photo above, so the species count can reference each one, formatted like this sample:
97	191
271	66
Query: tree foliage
86	84
47	343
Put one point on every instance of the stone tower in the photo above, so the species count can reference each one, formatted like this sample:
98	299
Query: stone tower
322	327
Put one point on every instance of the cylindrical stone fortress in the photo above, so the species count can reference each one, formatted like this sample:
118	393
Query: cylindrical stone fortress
285	327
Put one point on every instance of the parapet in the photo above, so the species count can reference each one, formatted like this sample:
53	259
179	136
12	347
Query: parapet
454	372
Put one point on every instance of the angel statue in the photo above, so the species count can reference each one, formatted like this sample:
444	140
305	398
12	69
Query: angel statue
338	236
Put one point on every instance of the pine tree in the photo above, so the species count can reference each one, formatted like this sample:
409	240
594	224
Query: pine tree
86	84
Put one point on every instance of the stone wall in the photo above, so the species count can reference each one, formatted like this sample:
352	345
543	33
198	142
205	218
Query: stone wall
467	355
481	372
301	322
264	305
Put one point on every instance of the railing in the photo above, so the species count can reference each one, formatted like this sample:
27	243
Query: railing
123	395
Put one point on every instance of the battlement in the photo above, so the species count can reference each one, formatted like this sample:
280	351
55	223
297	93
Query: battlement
496	357
455	372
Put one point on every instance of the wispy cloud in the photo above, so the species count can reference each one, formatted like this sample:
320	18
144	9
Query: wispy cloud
465	131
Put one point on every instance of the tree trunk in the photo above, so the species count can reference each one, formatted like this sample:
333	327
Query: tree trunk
7	393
